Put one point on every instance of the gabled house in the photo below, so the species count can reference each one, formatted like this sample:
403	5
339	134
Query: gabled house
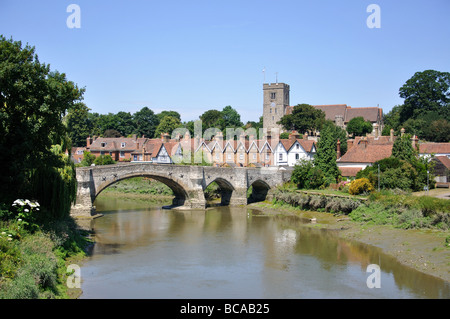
289	152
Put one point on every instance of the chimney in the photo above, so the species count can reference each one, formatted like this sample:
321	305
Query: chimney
134	136
349	144
294	135
338	154
363	142
402	131
88	141
305	136
414	141
375	128
165	137
391	139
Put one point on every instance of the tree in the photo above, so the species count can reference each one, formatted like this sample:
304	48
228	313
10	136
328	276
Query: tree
338	133
145	122
212	119
308	176
403	149
438	131
426	92
303	118
33	137
167	125
358	126
231	118
124	123
88	159
163	114
325	158
78	124
112	133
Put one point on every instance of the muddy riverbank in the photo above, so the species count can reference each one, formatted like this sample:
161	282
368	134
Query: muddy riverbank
422	249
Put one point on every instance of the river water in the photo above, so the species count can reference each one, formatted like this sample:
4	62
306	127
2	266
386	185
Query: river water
145	251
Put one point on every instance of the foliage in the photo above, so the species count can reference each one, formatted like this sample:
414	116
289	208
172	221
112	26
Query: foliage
403	149
112	133
360	186
163	114
145	122
79	125
167	125
325	158
33	102
231	118
426	92
308	176
358	126
303	118
284	135
104	160
88	159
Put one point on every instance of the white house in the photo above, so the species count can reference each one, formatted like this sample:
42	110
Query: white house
289	152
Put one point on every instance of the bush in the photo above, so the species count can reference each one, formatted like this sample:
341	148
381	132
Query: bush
360	186
104	160
308	176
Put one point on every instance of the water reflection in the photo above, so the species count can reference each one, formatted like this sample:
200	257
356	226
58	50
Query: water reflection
235	253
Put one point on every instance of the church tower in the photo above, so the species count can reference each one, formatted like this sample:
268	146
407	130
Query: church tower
276	102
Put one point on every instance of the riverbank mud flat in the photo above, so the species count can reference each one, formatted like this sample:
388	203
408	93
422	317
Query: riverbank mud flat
422	249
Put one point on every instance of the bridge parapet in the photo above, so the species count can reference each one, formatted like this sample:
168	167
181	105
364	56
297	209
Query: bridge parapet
187	182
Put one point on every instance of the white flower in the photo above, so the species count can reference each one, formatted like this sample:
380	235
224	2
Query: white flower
26	210
9	235
3	233
20	219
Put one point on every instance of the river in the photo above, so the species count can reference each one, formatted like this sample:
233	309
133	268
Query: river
145	251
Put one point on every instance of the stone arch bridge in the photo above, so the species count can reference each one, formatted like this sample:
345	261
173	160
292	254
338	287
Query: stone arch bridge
187	182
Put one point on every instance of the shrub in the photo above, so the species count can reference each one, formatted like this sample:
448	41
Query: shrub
360	186
308	176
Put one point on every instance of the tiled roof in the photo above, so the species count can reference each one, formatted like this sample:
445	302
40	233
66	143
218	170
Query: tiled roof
114	144
368	113
349	171
366	153
436	148
444	160
332	110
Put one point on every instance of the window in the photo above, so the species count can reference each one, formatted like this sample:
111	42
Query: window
217	155
275	111
281	157
297	146
102	153
297	156
229	156
80	152
267	156
123	144
270	110
135	157
122	154
273	95
241	156
254	156
103	144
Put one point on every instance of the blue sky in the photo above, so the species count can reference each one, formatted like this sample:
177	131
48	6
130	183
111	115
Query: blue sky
192	56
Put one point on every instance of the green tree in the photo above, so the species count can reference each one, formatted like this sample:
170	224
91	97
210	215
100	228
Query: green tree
104	160
167	125
325	157
303	118
78	124
338	133
33	137
358	126
145	122
112	133
163	114
88	159
438	131
426	92
212	119
231	118
308	176
403	149
124	123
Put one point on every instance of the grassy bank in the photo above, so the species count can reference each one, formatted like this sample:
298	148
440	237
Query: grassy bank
140	185
33	264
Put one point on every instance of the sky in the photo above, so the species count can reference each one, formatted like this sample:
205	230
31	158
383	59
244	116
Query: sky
193	56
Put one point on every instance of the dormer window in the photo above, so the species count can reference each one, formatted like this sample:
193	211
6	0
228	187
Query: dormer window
123	144
103	144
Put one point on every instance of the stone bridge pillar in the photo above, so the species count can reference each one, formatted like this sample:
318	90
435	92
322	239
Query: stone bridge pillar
83	207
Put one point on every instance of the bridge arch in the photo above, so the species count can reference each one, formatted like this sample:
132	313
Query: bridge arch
226	189
178	188
260	190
